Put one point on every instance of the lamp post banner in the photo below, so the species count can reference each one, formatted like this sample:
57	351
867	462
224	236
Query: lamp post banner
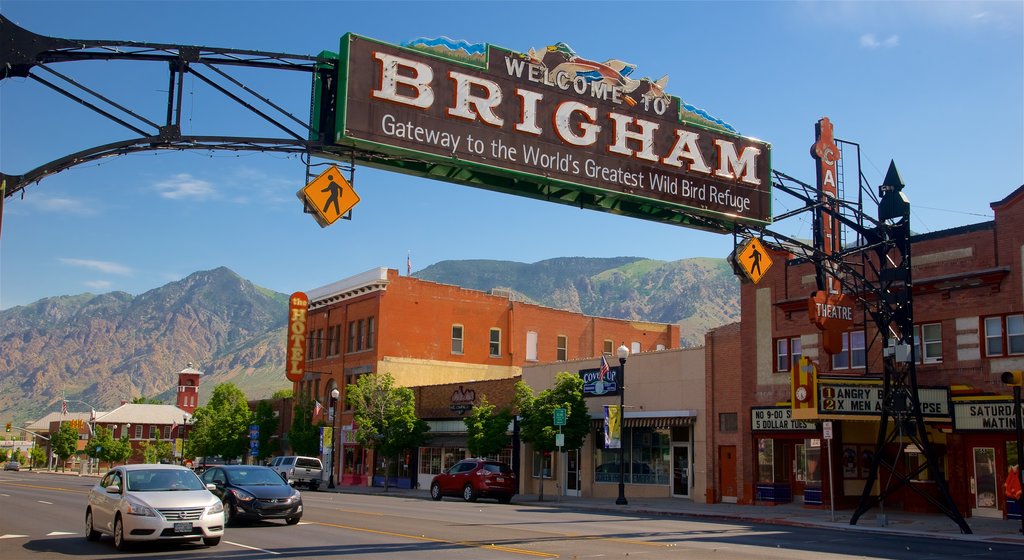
612	427
552	118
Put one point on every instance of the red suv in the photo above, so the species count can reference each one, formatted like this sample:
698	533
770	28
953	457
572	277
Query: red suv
476	478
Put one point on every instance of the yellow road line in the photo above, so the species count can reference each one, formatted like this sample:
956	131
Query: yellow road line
441	541
39	487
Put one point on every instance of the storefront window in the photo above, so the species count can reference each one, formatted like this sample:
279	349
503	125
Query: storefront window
766	460
647	459
430	460
543	462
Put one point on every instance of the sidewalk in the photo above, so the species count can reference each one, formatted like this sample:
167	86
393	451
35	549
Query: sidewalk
928	525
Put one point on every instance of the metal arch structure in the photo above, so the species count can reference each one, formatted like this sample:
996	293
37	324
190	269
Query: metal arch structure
875	270
29	55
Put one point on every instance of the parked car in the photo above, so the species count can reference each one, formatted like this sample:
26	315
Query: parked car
254	492
476	478
306	471
12	466
153	503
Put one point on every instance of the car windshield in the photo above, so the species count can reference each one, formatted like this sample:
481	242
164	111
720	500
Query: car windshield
162	480
255	477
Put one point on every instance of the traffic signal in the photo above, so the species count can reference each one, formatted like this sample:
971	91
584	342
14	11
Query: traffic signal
1015	377
8	427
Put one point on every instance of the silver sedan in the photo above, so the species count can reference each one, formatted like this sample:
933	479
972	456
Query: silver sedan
153	503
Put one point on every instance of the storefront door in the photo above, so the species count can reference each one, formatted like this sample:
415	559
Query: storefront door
983	483
572	473
681	470
727	473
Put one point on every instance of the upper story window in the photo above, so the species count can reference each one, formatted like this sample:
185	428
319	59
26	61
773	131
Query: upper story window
494	347
634	347
457	332
787	353
361	334
138	431
153	431
852	355
531	346
333	340
928	343
561	348
1004	335
608	347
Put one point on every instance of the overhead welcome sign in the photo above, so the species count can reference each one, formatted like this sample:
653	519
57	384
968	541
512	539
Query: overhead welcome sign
546	124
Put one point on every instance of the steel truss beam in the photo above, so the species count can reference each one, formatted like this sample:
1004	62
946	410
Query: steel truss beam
874	270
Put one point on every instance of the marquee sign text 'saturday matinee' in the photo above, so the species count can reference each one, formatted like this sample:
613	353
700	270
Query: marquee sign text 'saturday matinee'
517	117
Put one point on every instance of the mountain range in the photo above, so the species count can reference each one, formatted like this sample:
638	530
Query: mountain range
100	350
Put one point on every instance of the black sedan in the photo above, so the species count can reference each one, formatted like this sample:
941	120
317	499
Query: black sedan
255	493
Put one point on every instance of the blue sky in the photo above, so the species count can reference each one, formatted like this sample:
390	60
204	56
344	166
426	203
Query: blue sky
936	86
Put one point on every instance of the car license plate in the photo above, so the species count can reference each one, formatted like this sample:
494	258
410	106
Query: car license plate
183	527
501	479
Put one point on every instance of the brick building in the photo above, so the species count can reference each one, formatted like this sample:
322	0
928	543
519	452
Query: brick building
425	333
968	297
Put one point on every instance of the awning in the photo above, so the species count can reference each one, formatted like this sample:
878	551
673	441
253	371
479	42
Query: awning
655	422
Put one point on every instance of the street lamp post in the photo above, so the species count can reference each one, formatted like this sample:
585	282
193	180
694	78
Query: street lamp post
622	353
334	414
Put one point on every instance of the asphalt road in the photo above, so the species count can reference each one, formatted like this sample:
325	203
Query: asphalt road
42	516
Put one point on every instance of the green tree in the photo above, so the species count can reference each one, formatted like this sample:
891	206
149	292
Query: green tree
118	452
156	450
386	416
268	423
3	455
282	394
64	442
304	436
222	426
100	442
537	412
487	429
146	400
37	457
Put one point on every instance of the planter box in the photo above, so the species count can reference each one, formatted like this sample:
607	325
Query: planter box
812	497
1012	509
393	482
773	493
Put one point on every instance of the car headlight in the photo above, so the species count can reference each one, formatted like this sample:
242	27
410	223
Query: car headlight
135	507
215	508
242	495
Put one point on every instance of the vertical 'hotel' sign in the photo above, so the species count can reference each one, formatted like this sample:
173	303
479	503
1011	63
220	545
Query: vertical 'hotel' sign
298	305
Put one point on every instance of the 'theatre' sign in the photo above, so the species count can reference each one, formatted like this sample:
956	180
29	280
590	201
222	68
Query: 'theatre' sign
295	362
548	124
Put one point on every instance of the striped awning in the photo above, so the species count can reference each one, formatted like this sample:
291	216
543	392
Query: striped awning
652	422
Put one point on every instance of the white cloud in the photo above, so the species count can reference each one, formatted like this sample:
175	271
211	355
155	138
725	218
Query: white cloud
98	284
184	186
868	40
60	205
102	266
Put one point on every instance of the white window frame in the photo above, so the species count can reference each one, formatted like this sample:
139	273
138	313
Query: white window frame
494	346
531	346
561	348
854	355
928	347
460	340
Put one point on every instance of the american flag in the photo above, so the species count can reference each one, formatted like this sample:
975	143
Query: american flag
317	409
63	406
604	368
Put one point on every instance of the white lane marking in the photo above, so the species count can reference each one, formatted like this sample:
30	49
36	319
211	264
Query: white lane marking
45	502
59	533
12	536
239	545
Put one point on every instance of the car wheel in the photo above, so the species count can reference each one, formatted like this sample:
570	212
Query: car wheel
119	542
211	541
229	512
314	485
468	493
435	492
91	534
292	520
507	499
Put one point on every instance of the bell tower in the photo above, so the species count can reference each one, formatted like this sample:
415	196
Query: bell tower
188	388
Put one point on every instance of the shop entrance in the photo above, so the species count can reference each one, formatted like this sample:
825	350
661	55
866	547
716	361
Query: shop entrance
681	470
572	473
983	483
727	472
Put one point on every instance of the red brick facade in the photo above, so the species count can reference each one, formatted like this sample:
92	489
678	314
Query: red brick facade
963	279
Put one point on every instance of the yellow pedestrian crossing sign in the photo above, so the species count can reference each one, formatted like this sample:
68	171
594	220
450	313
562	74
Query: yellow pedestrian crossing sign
754	260
330	196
